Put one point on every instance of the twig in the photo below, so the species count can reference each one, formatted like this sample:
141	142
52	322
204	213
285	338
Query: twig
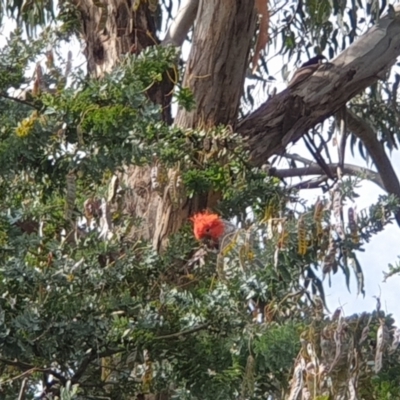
29	368
310	183
16	99
182	333
315	169
296	157
21	395
14	378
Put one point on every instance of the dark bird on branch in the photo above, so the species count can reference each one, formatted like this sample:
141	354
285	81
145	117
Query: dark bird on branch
306	69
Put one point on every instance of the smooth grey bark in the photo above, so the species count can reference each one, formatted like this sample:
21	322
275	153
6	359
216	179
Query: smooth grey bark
217	63
182	23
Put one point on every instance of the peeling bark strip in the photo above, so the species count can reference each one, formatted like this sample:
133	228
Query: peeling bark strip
288	115
217	62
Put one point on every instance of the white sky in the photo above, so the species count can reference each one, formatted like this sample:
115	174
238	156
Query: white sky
382	249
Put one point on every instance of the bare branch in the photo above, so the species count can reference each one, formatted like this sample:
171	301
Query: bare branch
314	183
296	157
182	333
28	367
315	169
18	100
180	26
21	395
368	136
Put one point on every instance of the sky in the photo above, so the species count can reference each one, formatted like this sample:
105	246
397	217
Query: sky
379	252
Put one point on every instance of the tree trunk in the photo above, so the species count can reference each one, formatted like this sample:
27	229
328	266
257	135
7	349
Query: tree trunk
215	74
115	28
217	63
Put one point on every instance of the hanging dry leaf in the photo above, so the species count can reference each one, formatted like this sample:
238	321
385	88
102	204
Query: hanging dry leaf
329	262
297	380
38	82
68	65
396	341
338	210
105	224
364	334
248	378
112	189
336	314
382	337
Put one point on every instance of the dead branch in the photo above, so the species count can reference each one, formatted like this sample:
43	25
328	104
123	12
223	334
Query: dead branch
315	169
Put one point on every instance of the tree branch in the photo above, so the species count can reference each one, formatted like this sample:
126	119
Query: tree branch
296	157
180	26
287	116
315	169
83	366
17	100
314	183
182	333
27	367
110	352
368	136
21	395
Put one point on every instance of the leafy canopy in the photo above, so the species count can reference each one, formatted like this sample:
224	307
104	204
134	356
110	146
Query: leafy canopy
89	311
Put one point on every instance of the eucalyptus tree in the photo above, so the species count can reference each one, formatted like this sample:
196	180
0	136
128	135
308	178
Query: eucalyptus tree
105	292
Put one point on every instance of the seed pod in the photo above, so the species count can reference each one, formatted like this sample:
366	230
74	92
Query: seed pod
329	262
338	210
301	237
318	212
353	225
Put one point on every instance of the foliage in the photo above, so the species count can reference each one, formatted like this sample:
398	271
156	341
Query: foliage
86	311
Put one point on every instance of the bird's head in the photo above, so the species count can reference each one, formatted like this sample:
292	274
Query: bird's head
207	226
